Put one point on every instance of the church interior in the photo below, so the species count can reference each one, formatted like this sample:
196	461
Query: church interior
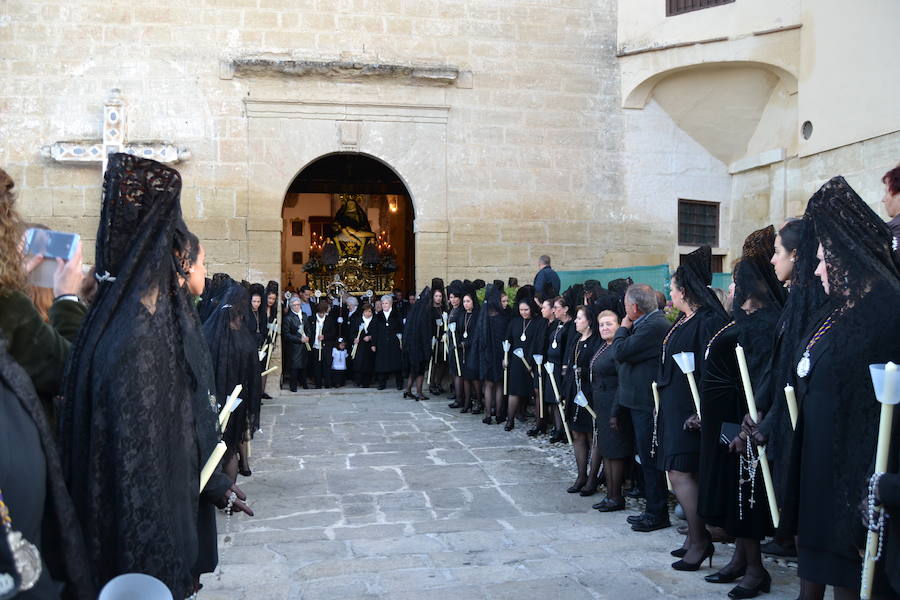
314	198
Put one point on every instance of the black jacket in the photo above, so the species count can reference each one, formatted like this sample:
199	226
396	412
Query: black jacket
637	350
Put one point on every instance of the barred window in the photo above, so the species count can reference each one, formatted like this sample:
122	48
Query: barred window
678	7
698	223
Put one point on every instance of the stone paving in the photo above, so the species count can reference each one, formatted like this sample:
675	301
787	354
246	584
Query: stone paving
361	494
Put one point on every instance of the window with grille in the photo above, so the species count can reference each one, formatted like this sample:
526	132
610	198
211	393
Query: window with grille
698	223
678	7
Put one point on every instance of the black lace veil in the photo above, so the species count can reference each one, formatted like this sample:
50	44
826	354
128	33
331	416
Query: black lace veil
695	277
758	301
232	347
418	330
864	281
138	420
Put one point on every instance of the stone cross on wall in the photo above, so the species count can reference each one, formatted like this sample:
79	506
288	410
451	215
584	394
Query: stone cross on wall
114	140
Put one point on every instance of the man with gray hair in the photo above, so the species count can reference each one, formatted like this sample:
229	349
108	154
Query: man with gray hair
636	347
386	344
546	282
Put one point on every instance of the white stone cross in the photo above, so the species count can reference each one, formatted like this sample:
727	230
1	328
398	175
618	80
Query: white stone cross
114	140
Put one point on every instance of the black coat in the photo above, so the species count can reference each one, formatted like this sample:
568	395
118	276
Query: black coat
330	331
679	449
27	442
637	350
364	361
387	345
521	379
296	353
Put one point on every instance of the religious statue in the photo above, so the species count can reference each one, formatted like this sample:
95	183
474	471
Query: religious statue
350	230
351	259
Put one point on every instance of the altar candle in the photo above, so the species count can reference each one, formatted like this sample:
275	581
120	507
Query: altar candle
881	463
211	464
791	400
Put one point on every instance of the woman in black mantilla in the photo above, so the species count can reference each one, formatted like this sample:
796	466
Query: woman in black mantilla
418	332
678	450
732	494
546	326
235	360
364	361
454	298
522	333
834	444
256	315
577	384
489	335
465	338
558	338
439	327
794	262
140	420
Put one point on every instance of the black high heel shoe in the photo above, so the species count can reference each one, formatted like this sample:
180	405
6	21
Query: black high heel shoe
421	397
487	420
679	553
510	425
763	586
720	577
683	565
407	394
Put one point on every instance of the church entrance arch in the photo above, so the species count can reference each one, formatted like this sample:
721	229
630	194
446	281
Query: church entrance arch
348	217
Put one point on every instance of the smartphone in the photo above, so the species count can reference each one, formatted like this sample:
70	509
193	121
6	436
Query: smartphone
51	245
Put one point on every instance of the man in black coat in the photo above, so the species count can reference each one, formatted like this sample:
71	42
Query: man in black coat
636	347
388	326
296	340
323	333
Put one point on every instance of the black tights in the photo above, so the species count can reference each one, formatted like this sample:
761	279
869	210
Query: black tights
685	487
493	397
747	555
466	389
581	443
418	379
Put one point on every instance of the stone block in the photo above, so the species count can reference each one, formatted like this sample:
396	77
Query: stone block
68	202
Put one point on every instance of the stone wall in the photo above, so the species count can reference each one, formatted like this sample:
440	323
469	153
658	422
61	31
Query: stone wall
771	193
528	160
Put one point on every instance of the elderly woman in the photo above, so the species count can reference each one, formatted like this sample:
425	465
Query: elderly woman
296	336
388	329
613	442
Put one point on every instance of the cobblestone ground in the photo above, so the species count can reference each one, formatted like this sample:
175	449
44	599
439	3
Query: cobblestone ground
361	494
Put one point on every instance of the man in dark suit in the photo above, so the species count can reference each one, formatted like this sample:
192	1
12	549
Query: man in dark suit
636	347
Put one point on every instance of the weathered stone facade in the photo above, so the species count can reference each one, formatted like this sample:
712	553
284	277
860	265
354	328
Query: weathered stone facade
502	118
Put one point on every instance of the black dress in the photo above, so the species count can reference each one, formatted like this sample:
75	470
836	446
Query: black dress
453	346
364	361
813	443
605	383
723	401
578	378
679	449
520	379
465	338
558	341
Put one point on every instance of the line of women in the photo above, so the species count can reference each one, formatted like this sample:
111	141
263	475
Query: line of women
811	307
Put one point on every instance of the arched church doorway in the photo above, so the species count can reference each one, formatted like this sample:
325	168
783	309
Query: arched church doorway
348	217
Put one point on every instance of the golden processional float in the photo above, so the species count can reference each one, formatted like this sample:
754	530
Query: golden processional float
350	258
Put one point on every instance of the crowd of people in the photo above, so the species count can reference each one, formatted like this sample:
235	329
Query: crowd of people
121	436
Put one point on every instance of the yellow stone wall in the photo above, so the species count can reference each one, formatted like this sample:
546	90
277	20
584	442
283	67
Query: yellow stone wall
527	161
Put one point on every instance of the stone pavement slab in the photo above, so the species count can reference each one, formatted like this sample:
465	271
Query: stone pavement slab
362	494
